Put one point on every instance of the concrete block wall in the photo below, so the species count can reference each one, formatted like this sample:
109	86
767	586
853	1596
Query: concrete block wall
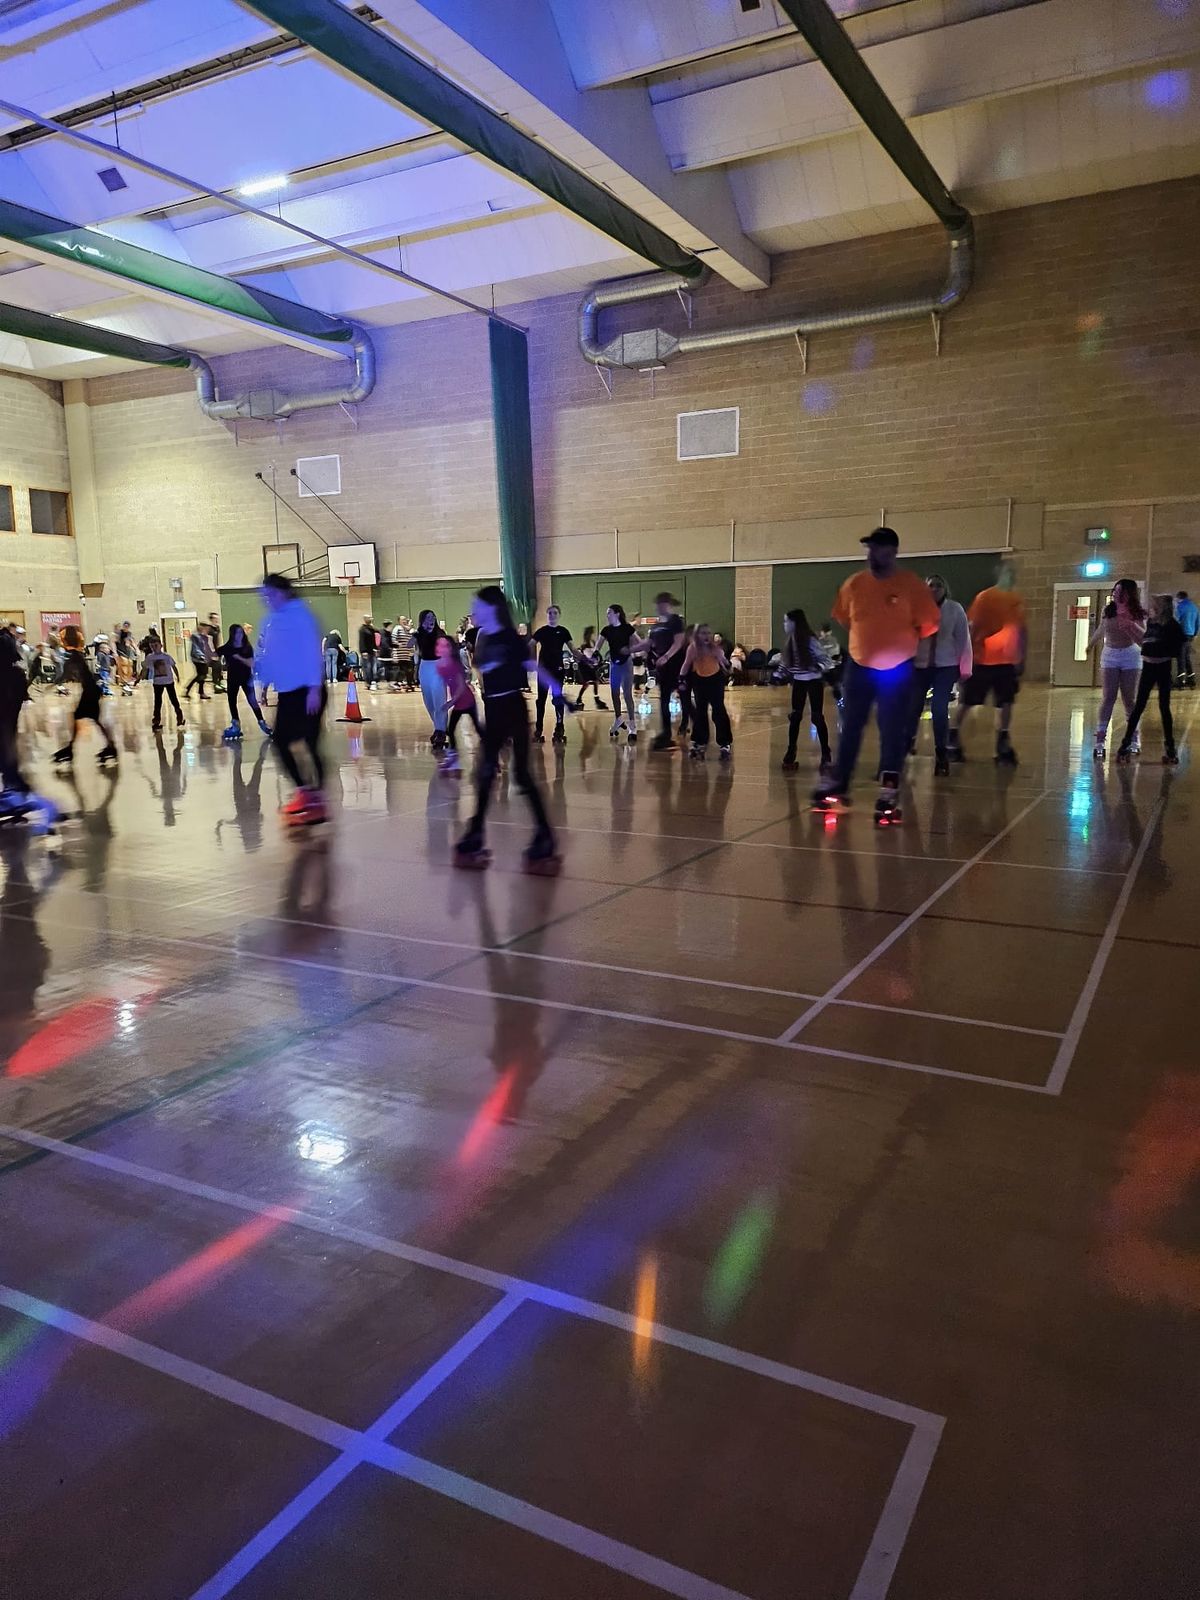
38	572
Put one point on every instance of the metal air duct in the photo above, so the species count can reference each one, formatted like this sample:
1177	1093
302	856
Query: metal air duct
653	346
270	405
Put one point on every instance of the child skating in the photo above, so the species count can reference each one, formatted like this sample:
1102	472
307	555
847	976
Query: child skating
502	661
77	669
237	653
462	702
161	671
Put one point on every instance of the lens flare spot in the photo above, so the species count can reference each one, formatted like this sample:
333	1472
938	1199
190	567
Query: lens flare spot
819	399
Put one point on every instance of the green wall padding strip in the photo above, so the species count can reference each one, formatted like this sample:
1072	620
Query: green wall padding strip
832	44
338	35
82	336
705	594
99	251
509	351
812	585
245	606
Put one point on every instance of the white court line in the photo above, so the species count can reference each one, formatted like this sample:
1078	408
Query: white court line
651	972
505	1283
900	1507
901	928
322	1486
507	1508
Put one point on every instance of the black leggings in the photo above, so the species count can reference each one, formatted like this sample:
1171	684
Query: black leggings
10	764
244	686
200	679
1155	675
708	694
667	679
294	725
505	718
588	679
167	689
810	693
456	716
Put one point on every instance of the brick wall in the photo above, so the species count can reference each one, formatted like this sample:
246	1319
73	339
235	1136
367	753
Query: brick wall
38	572
1069	383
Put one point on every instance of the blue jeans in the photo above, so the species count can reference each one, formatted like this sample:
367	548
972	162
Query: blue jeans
331	660
890	691
936	682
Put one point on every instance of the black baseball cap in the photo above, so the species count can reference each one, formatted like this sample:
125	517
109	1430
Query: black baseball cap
887	536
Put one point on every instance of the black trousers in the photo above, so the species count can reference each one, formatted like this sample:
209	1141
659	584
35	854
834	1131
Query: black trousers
10	766
810	693
201	678
244	686
558	699
294	725
456	716
708	696
505	719
667	679
1155	675
167	689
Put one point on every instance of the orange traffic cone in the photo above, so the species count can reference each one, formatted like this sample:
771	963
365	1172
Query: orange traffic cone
353	709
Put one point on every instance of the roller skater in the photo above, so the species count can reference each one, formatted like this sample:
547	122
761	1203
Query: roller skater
553	644
705	667
665	646
994	662
161	671
888	612
940	662
237	655
502	661
805	664
289	656
76	669
1120	630
18	803
620	636
1160	651
588	658
887	807
426	637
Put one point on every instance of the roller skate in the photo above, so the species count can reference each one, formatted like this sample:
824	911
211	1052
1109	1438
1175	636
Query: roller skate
1135	747
232	733
64	757
1170	757
559	736
1124	755
789	762
542	857
698	752
954	749
828	798
726	752
448	766
632	737
887	807
941	764
156	727
437	740
664	741
618	725
305	809
1005	756
539	737
1099	748
470	853
107	755
825	770
264	727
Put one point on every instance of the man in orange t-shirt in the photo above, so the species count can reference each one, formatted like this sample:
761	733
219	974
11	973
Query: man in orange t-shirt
998	634
888	611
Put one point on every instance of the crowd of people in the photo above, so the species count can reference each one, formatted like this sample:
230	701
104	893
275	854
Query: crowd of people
910	644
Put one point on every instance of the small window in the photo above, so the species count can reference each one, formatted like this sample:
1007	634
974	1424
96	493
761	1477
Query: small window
7	521
701	435
50	511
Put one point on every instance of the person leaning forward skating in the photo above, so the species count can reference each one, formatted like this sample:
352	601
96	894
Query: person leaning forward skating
289	656
888	611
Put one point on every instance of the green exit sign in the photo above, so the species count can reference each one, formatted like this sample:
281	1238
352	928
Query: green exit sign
1097	535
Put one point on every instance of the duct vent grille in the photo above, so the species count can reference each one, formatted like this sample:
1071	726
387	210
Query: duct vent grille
701	435
319	475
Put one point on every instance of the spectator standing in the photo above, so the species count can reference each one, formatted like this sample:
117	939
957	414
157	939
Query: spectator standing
402	651
387	652
368	651
218	664
332	649
1187	615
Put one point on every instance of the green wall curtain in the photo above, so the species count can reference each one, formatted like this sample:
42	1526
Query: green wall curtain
509	351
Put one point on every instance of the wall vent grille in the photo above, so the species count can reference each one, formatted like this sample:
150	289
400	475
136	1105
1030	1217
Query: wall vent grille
701	435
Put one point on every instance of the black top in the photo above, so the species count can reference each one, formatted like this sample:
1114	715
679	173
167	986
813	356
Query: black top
426	642
551	643
502	661
366	640
14	686
469	637
664	633
1164	640
237	662
617	636
77	669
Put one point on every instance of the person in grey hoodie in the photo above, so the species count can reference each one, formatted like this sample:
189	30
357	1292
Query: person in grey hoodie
940	661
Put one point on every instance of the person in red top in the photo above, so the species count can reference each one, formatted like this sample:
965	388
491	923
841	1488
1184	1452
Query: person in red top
997	620
462	699
888	611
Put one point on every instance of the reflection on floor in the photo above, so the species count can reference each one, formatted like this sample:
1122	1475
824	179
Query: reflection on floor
766	1207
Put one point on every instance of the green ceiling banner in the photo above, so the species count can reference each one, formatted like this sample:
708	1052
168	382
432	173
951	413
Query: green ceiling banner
89	248
340	36
509	350
83	336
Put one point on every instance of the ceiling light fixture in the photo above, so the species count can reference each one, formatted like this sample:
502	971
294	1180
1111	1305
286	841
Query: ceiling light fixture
278	180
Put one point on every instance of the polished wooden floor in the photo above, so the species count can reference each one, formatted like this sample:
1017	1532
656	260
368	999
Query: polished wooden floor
768	1206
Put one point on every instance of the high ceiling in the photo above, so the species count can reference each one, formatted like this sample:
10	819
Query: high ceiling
710	120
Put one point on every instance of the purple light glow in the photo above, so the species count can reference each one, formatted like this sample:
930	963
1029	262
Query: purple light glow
1165	90
819	399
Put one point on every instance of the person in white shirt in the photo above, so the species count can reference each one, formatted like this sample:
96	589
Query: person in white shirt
289	656
941	660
